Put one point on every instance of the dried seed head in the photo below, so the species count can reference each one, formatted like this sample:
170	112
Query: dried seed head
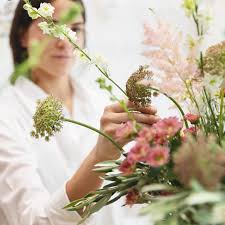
138	87
214	60
48	118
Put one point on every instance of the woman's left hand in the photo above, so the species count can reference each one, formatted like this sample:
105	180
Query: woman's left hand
111	120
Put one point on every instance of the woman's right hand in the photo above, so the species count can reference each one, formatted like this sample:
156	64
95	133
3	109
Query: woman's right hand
112	118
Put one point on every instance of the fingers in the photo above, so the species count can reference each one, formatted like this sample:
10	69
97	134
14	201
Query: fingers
148	109
123	117
117	108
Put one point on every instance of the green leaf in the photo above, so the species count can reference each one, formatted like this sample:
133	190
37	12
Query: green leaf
82	201
204	197
172	220
156	187
122	193
23	68
101	203
71	14
107	163
105	169
162	208
218	216
203	217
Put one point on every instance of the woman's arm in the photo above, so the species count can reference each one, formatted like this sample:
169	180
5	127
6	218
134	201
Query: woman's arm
85	180
24	198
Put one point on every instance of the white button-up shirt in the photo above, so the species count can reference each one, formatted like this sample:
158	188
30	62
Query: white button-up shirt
34	172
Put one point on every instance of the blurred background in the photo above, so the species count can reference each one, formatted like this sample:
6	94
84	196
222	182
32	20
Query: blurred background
115	31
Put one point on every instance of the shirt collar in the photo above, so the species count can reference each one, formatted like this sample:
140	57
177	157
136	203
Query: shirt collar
82	99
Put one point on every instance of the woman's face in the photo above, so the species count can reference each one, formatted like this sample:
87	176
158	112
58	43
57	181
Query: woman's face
58	56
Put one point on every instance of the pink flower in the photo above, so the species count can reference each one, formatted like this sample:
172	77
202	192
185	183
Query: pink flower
125	130
139	152
132	197
152	135
158	156
146	135
127	167
173	63
192	118
191	130
169	127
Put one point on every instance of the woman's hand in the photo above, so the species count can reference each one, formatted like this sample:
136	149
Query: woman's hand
112	119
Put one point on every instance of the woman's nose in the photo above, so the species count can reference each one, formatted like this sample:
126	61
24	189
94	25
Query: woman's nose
63	43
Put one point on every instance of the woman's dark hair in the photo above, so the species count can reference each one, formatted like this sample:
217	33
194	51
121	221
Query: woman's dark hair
20	25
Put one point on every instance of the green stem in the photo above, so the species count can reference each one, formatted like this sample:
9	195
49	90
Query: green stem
175	102
212	112
221	125
195	18
123	105
97	131
197	24
104	73
193	99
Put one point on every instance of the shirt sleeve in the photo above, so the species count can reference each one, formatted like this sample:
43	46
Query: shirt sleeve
24	199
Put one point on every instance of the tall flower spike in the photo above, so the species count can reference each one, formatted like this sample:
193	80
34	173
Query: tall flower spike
214	60
48	118
138	87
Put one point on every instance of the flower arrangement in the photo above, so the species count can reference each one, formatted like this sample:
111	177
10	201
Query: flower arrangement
176	167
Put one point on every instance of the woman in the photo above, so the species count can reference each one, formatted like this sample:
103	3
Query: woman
38	178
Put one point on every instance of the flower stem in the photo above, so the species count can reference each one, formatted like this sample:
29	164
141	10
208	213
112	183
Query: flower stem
194	100
175	102
221	125
212	113
97	131
104	73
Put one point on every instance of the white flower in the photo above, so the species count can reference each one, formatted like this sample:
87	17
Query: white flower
55	31
32	12
212	83
70	34
46	10
46	29
100	61
58	31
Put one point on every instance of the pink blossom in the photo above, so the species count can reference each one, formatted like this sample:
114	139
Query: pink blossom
139	152
166	53
146	135
168	127
127	167
152	135
132	197
125	130
192	118
158	156
189	131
